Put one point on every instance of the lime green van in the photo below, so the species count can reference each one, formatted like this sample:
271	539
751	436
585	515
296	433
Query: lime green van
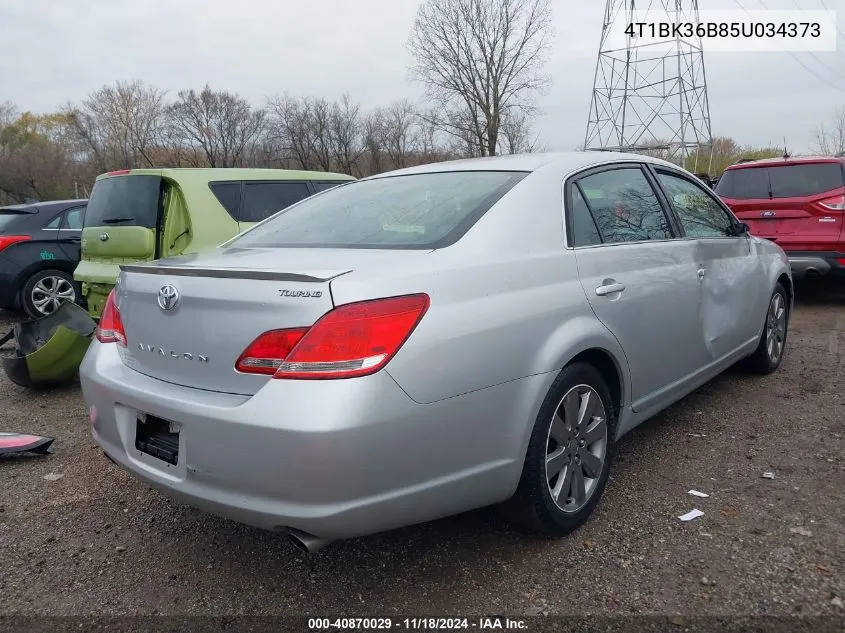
145	214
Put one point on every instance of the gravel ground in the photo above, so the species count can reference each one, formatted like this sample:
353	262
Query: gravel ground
96	541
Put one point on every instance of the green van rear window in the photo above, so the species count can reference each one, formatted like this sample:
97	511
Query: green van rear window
124	201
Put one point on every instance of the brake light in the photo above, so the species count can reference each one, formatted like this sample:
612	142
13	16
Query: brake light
836	203
356	339
266	353
110	327
119	172
7	240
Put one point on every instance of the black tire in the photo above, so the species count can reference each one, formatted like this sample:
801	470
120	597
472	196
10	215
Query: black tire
761	361
26	297
532	508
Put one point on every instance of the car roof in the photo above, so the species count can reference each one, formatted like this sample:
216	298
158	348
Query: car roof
565	162
792	160
230	173
49	205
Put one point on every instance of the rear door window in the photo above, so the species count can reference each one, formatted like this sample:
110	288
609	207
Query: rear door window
74	219
124	201
229	195
263	199
798	181
624	206
55	223
582	225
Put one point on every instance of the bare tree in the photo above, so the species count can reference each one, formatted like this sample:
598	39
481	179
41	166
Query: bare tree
344	134
120	125
400	133
291	130
830	138
517	133
219	124
478	59
8	112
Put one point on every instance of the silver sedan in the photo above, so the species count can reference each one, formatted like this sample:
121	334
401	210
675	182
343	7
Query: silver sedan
432	340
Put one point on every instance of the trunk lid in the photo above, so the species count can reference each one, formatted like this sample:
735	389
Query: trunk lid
226	299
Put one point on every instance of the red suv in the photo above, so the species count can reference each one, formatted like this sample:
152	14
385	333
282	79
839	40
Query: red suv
799	203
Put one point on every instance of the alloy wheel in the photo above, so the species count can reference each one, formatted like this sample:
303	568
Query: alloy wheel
576	448
50	293
776	328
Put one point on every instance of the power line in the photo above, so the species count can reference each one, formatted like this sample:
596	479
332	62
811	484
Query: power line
836	23
838	50
792	55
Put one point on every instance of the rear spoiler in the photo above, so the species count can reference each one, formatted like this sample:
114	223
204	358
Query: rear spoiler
224	273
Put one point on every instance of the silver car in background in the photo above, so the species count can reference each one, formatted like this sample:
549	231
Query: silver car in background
432	340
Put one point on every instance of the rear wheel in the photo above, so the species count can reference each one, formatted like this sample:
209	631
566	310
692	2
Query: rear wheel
568	459
769	353
46	290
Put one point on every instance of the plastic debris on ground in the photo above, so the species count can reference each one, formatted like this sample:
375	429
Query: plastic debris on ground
23	443
692	514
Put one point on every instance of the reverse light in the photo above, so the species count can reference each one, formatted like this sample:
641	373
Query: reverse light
8	240
355	339
110	327
836	203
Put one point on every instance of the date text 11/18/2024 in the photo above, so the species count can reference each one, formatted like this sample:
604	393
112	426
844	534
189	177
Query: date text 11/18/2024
417	624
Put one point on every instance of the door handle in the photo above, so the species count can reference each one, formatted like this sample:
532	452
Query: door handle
609	289
702	272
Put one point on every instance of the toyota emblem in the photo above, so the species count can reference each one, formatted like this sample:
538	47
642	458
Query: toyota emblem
168	297
104	237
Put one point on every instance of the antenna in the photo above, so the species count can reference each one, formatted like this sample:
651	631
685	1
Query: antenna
647	98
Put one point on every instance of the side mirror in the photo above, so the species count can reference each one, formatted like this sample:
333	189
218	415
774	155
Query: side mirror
739	229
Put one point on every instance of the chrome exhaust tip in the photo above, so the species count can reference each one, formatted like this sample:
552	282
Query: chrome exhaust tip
306	542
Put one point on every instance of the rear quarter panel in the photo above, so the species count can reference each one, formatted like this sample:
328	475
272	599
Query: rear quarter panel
506	302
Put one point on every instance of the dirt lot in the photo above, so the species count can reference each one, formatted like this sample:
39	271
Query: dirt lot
96	541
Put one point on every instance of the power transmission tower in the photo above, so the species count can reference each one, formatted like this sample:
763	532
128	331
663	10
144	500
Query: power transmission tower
649	97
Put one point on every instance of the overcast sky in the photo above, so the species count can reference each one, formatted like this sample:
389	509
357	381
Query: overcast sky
52	51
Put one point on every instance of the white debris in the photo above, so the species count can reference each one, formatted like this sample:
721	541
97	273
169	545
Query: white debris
696	493
692	514
768	475
53	476
800	530
696	435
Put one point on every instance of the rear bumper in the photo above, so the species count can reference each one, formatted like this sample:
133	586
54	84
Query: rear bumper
810	264
334	459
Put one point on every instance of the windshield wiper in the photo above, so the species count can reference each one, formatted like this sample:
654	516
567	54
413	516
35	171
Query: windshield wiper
117	220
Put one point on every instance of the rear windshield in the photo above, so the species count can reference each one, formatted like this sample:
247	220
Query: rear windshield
124	201
782	181
7	218
397	212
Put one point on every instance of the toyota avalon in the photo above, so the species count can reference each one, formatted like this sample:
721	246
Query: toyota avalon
432	340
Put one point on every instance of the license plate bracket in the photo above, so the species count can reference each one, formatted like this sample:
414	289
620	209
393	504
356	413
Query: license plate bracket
157	438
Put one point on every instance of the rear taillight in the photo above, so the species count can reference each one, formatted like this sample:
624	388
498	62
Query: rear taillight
7	240
110	327
352	340
266	353
836	203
